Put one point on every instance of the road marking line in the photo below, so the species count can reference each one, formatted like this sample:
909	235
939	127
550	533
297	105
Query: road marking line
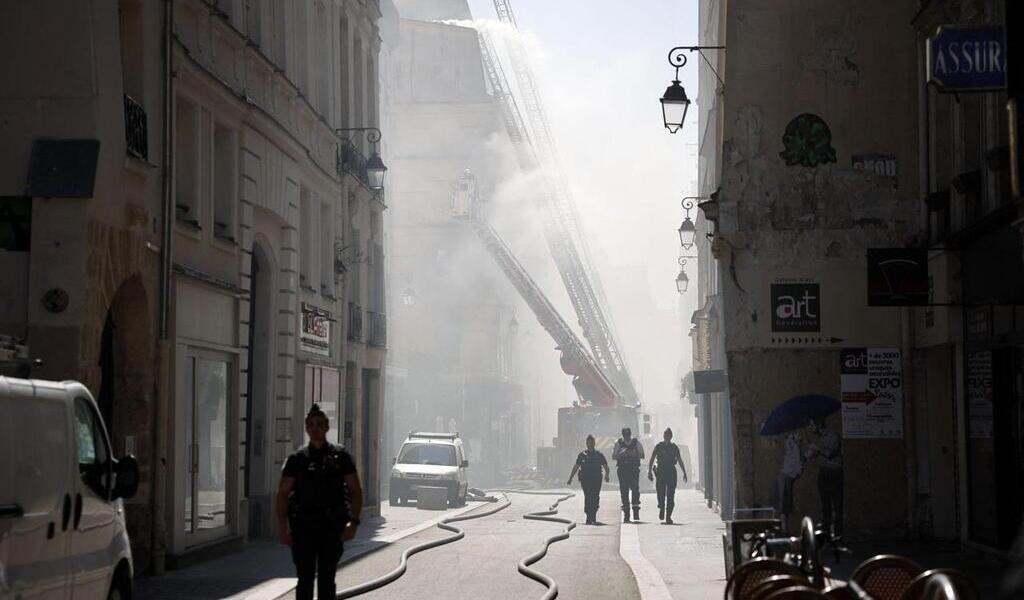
648	579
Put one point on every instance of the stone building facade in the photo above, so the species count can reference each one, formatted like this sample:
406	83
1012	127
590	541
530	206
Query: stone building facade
783	276
276	244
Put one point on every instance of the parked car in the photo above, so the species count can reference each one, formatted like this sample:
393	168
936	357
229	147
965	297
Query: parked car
62	524
430	460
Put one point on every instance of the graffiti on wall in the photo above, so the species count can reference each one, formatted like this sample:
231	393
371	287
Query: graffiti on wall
807	141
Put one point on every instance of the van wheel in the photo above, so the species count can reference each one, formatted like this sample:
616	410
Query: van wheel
121	589
393	500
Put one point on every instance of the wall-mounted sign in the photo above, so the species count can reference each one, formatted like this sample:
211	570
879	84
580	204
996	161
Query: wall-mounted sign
871	382
967	58
897	277
315	336
883	165
709	382
796	307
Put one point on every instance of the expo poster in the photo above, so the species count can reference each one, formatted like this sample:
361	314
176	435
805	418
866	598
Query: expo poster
872	392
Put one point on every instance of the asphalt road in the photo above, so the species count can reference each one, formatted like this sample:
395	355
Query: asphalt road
483	564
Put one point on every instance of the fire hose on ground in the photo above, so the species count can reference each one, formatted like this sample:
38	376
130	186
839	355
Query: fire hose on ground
446	524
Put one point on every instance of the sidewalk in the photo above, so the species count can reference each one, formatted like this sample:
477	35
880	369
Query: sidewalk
264	570
688	554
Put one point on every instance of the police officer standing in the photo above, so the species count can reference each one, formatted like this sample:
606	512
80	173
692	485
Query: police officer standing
589	464
318	503
627	454
666	455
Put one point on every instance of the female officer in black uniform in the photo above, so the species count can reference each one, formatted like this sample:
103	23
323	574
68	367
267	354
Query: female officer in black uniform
589	464
318	504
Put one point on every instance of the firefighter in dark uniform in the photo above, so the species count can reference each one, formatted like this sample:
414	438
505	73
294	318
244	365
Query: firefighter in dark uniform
318	503
666	455
627	454
589	464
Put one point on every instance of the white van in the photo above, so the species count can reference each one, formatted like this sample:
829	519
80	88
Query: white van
62	526
430	460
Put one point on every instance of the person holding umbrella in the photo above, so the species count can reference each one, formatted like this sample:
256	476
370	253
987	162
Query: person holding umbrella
789	417
829	453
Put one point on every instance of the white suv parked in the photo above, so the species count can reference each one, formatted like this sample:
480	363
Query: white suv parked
430	460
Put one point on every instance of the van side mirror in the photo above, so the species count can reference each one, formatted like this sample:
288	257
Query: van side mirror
465	463
394	460
126	477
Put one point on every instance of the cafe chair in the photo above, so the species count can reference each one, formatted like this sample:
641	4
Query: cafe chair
748	575
800	592
962	585
839	591
886	576
775	583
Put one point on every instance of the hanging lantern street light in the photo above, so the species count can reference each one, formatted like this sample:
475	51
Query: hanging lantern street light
687	230
675	103
375	168
682	281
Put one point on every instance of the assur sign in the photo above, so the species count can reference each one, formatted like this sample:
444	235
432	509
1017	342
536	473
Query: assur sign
871	382
963	59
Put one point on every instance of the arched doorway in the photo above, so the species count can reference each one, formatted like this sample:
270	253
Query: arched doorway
126	398
259	480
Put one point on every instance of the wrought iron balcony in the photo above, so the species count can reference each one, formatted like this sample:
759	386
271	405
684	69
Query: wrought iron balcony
355	322
378	337
135	128
352	161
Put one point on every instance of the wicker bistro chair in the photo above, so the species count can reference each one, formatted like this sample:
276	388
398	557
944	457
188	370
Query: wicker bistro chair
962	584
800	592
886	576
748	575
769	586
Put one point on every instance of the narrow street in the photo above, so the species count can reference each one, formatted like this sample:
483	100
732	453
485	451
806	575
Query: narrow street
686	557
680	561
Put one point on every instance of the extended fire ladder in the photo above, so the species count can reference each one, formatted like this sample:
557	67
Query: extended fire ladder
536	150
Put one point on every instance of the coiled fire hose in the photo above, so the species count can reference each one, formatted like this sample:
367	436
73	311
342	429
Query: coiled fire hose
445	524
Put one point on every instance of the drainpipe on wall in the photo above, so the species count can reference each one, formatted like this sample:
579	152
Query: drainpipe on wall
159	541
909	437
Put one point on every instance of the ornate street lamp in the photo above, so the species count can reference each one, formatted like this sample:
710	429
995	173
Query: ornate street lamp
375	168
682	281
675	103
687	230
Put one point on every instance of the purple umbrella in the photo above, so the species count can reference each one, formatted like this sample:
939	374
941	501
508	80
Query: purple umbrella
796	412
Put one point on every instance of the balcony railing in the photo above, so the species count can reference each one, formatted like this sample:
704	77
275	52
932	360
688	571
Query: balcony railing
355	322
135	128
378	337
352	161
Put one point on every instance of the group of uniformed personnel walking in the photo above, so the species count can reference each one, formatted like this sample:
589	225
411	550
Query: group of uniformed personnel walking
628	455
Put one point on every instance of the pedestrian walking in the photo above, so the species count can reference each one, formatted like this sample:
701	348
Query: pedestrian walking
829	453
664	459
589	465
792	468
319	500
627	454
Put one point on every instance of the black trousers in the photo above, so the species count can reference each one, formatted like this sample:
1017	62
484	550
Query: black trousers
629	481
830	488
316	552
591	496
665	484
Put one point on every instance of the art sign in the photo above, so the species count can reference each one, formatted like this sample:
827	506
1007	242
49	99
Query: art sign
964	59
871	383
796	307
315	336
